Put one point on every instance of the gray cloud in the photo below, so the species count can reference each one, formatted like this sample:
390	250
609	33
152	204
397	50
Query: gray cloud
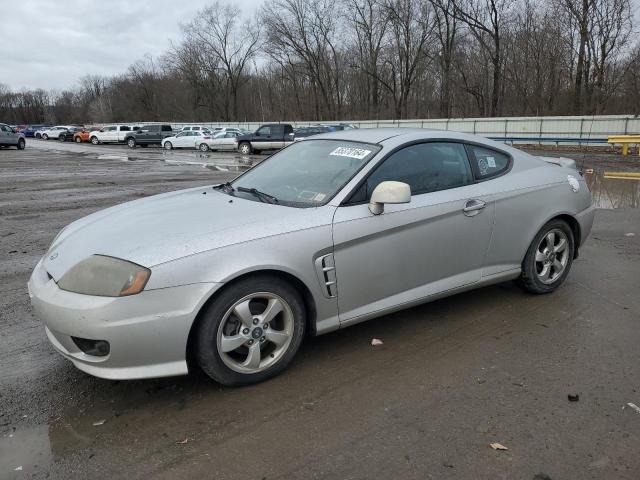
53	44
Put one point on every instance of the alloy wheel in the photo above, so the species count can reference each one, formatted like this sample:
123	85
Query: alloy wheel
255	332
552	256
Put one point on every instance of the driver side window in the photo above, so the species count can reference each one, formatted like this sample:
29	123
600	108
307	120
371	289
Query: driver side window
264	131
425	167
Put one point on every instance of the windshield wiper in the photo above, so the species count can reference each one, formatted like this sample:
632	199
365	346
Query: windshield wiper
265	197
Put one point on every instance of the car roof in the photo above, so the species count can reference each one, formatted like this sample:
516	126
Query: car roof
374	135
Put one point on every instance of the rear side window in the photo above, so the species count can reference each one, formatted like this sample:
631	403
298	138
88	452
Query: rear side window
426	167
488	163
166	128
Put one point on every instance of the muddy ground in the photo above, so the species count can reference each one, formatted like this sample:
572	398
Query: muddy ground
453	376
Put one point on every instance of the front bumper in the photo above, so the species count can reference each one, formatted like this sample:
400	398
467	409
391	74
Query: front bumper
147	332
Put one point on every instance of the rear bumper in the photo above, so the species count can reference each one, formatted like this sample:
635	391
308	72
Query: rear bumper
585	220
147	333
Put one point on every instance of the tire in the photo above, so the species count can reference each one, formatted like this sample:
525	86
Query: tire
37	135
78	140
45	136
204	147
245	148
544	269
131	142
94	140
62	138
168	146
21	144
219	321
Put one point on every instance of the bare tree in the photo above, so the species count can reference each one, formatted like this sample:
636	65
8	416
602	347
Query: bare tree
218	34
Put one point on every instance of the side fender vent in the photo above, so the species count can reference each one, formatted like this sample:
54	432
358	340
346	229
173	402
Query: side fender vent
326	271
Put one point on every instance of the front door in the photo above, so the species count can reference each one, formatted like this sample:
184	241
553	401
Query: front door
262	139
437	242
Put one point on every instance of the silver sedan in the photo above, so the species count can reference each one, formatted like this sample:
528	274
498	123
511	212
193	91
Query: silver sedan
324	234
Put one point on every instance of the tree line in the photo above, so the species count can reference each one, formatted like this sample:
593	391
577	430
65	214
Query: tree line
368	59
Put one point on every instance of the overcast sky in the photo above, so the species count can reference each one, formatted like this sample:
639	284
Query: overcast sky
52	44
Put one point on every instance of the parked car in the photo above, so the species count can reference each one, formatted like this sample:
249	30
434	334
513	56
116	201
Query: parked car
148	135
10	137
271	136
229	129
84	134
189	128
338	127
68	134
329	232
186	139
110	134
54	132
304	132
30	130
225	140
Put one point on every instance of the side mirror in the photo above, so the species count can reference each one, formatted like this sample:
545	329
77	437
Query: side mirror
389	192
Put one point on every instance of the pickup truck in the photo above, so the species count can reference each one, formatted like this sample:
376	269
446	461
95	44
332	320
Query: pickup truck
110	134
270	136
148	135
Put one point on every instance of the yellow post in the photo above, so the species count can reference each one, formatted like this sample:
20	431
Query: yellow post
625	148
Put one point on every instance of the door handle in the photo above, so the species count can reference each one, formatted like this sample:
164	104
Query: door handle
473	207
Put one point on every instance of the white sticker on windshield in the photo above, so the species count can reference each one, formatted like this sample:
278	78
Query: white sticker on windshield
351	152
491	162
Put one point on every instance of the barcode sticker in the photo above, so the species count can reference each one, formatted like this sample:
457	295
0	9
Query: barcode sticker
351	152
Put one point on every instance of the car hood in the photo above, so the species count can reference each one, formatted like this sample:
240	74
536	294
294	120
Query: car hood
169	226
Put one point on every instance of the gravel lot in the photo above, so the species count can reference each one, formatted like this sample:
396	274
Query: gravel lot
453	376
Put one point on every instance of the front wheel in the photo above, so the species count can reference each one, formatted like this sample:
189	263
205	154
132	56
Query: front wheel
251	332
94	140
131	143
21	144
168	146
78	140
548	260
204	147
45	136
245	148
62	138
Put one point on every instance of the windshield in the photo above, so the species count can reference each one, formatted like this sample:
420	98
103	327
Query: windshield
308	173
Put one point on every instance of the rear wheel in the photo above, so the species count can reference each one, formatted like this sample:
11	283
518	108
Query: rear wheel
549	258
45	136
204	147
251	332
245	148
62	138
21	144
78	140
131	143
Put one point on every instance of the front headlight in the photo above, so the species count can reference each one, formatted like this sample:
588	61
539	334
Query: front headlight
105	277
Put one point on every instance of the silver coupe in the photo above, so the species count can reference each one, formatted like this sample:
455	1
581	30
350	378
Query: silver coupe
329	232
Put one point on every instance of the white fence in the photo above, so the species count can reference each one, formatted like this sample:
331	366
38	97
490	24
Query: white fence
575	130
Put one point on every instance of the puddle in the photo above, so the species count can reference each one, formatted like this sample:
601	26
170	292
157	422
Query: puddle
110	156
25	452
221	163
612	193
